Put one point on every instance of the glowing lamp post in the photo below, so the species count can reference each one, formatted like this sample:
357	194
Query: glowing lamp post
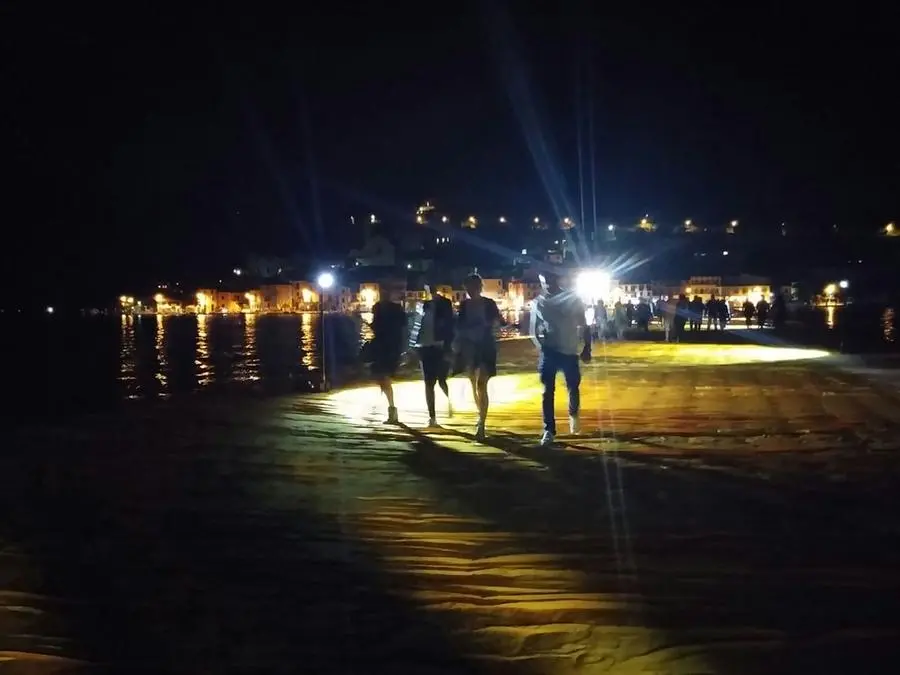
325	281
592	285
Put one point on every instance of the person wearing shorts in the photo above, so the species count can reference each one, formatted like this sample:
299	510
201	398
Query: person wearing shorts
476	351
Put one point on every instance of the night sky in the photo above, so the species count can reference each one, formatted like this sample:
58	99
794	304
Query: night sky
146	140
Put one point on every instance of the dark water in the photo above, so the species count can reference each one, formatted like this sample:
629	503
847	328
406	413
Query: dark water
55	365
853	329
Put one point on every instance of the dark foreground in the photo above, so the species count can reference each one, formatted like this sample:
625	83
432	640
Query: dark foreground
727	511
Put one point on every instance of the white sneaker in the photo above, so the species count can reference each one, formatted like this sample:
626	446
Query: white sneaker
432	423
479	431
547	439
574	425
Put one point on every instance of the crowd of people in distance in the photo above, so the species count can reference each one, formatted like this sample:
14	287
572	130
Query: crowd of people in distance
679	314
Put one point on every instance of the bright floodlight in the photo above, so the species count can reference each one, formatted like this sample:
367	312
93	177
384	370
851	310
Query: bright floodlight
49	310
592	285
326	280
844	283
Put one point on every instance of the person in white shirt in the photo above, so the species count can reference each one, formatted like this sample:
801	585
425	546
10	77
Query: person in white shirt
557	318
433	339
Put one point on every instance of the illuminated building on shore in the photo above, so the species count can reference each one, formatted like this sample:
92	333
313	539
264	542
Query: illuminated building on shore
276	297
205	300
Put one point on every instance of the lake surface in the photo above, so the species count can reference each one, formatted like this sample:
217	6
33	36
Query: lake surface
63	364
54	365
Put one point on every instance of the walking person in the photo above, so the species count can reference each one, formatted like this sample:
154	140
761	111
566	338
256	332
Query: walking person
433	339
557	317
712	313
696	313
667	310
388	327
620	320
762	313
749	311
476	345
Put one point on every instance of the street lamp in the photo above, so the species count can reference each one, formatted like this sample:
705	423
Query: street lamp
324	281
844	284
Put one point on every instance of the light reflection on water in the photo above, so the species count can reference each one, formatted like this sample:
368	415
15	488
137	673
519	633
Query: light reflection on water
307	341
127	352
164	355
365	329
162	369
888	329
247	355
204	371
830	316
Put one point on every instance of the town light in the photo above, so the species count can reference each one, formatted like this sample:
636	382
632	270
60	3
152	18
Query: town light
159	298
831	289
592	285
369	297
49	310
325	280
844	283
